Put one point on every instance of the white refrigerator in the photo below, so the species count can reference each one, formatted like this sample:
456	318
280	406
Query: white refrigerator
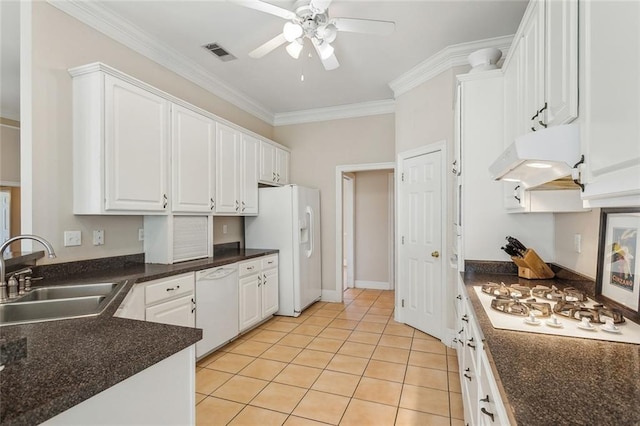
289	220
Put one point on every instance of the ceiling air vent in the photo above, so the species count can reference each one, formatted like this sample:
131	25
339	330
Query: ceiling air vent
219	51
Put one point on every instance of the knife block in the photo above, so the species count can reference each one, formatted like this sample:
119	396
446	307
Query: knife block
532	267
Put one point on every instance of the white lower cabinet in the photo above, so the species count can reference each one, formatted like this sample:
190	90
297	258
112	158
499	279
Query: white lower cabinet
258	290
163	394
480	394
167	301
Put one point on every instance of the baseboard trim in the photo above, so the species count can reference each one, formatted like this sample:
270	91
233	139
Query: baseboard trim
331	296
374	285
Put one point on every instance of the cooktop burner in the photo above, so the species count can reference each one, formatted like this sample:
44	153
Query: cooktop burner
570	303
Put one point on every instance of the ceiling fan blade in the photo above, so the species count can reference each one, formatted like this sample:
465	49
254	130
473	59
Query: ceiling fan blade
366	26
320	5
266	7
272	44
331	63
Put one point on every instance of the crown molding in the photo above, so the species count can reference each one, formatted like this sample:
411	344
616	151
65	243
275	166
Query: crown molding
362	109
117	28
449	57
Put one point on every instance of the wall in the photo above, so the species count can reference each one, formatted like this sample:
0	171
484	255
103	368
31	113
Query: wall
566	226
59	43
372	249
235	229
9	151
316	150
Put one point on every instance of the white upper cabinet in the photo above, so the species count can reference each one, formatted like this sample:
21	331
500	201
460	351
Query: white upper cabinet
274	164
541	73
611	119
561	61
250	153
236	172
227	170
193	161
120	145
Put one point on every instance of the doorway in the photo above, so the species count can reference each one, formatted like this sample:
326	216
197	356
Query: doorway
422	238
350	271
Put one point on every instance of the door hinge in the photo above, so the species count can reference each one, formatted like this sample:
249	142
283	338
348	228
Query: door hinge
403	303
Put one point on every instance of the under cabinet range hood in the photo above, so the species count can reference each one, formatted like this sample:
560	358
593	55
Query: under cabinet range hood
540	157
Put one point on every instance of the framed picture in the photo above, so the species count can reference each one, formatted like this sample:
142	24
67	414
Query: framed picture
618	274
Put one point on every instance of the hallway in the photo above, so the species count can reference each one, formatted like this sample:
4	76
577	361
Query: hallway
338	363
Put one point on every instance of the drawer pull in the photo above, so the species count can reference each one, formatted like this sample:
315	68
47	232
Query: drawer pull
465	318
250	268
485	399
172	288
470	344
270	262
484	411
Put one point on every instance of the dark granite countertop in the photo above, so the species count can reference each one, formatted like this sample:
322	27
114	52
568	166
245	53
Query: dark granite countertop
69	361
555	380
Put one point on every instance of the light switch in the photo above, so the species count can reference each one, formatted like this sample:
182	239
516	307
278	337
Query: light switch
72	238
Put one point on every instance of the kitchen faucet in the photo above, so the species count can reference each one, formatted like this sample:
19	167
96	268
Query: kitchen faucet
3	247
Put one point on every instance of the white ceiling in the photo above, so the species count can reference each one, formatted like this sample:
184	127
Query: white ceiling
368	63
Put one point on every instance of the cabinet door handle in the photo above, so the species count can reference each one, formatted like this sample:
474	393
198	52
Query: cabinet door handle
484	411
461	330
243	206
278	174
194	305
274	176
466	375
259	280
213	204
542	124
465	318
485	399
533	129
543	108
459	297
265	279
237	205
164	201
535	116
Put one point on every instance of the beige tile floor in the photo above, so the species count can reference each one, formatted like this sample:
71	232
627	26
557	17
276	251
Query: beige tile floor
338	363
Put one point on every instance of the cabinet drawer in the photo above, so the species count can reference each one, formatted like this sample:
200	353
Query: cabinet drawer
250	267
169	288
269	262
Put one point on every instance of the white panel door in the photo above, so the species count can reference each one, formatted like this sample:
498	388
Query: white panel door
267	162
249	175
175	312
269	292
193	161
282	171
136	148
250	297
532	56
561	61
421	238
227	170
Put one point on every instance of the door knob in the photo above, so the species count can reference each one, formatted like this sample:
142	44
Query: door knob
435	254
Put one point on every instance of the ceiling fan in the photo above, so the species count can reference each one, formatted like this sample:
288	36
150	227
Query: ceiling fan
311	20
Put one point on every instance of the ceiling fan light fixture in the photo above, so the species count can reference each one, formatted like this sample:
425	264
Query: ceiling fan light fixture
294	48
328	33
292	31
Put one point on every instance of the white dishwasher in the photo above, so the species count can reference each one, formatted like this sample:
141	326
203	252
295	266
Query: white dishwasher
216	307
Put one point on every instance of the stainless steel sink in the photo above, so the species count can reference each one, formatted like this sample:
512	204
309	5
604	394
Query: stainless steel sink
67	291
59	302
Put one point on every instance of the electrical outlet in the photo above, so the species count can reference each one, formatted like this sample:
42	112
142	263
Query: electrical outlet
577	243
141	234
98	237
224	229
72	238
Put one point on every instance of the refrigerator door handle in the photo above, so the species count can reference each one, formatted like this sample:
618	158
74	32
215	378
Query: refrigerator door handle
309	212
